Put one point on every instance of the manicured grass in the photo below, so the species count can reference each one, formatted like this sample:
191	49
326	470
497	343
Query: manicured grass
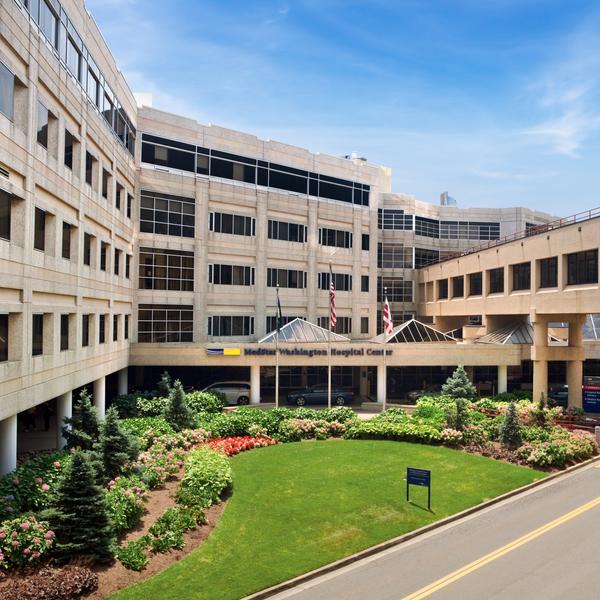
298	506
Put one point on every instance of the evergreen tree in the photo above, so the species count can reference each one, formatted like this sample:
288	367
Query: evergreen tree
540	415
510	430
459	386
82	429
164	385
79	514
177	412
115	447
457	415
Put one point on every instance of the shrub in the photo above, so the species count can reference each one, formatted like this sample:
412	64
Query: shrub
127	404
561	448
341	414
432	411
306	413
116	447
289	431
52	583
81	430
164	385
205	402
272	418
451	437
235	423
133	554
392	415
514	396
459	386
158	465
407	431
207	475
235	445
24	541
456	414
154	406
125	499
510	431
146	429
177	413
474	435
167	531
335	428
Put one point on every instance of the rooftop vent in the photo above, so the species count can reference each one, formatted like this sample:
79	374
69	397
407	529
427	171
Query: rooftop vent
355	156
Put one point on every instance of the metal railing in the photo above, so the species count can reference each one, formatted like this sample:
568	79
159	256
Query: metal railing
586	215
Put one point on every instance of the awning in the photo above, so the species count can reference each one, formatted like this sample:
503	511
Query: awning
303	331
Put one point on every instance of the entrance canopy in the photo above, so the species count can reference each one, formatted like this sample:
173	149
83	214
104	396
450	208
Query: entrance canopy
516	333
411	332
303	331
591	328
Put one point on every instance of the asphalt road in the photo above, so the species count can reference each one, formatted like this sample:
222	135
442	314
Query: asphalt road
542	545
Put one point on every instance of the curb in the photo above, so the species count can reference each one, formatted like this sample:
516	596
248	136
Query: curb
348	560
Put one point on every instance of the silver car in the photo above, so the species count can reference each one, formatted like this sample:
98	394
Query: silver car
235	392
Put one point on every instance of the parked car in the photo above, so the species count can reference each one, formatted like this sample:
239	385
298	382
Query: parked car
235	392
432	388
318	394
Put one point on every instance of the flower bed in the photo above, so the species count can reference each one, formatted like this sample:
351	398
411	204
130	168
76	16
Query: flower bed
234	445
24	541
125	499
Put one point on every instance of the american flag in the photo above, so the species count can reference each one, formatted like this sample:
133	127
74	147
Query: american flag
332	313
388	325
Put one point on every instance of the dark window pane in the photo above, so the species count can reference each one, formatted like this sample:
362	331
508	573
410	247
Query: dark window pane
5	212
64	332
66	241
39	235
37	335
42	125
7	92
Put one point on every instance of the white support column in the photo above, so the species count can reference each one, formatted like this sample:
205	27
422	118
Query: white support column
381	384
502	379
254	384
8	445
575	381
123	381
99	396
64	409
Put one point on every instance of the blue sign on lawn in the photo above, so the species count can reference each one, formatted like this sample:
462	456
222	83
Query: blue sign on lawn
420	477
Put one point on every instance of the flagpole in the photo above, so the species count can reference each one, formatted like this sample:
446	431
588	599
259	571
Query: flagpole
278	322
329	343
384	349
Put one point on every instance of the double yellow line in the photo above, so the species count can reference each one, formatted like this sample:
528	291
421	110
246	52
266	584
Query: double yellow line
488	558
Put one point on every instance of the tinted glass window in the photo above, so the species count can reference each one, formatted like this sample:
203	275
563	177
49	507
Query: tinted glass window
39	234
37	335
3	338
549	272
42	125
5	210
64	332
66	240
522	276
7	92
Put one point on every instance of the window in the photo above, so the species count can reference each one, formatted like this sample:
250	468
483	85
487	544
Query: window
394	256
64	332
66	240
3	337
466	230
271	322
37	335
69	147
128	265
93	87
475	284
365	241
549	272
230	275
115	336
85	330
89	168
424	257
341	281
126	328
49	23
105	180
101	329
73	59
286	278
117	261
227	326
103	251
39	234
289	232
174	158
582	267
474	320
364	283
442	289
343	325
395	219
335	237
496	279
166	270
521	276
129	202
5	214
87	249
7	92
42	125
167	215
458	287
118	195
233	224
158	323
364	325
398	289
427	227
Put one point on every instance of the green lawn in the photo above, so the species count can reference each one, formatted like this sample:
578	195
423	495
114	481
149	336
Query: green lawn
298	506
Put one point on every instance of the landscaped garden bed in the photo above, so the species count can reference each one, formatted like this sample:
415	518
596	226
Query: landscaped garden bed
145	488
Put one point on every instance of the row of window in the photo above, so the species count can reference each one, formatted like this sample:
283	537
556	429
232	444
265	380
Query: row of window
59	31
395	289
582	268
392	255
196	159
166	270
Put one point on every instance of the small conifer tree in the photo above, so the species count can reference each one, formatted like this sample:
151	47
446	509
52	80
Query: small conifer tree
164	385
78	514
459	386
81	430
510	430
115	446
177	412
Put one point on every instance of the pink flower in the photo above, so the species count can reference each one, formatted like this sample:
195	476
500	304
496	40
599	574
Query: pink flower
14	534
36	554
45	487
49	534
27	551
2	535
25	525
56	464
15	543
36	541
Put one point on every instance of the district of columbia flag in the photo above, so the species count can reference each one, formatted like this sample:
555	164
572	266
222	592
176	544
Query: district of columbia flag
388	325
278	315
332	313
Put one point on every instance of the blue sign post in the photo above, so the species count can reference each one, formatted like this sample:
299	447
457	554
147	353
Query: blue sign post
591	394
420	477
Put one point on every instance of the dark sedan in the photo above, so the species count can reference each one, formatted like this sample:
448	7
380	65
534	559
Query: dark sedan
317	394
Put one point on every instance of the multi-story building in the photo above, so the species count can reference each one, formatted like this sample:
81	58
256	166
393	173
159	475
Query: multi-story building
132	240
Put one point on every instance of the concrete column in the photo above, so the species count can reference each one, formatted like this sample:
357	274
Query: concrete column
123	381
540	379
574	381
502	378
254	384
364	382
8	445
64	409
99	396
381	384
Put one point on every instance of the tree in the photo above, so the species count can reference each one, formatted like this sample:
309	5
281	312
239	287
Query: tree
457	415
115	446
177	412
164	385
539	414
79	514
459	386
510	430
81	430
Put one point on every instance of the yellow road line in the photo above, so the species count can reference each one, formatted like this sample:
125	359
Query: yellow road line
484	560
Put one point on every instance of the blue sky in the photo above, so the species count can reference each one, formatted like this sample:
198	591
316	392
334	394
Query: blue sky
496	101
